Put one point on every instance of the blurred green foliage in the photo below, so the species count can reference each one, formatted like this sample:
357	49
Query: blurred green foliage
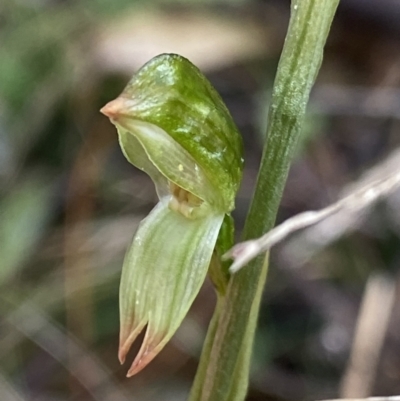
69	204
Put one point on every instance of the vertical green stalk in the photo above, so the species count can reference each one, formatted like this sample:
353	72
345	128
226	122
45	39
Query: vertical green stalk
224	366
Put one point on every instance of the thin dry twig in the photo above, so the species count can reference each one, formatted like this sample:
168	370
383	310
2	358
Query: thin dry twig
8	391
377	183
391	398
371	328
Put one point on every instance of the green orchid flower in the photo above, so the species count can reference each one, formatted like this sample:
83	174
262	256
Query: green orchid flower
173	125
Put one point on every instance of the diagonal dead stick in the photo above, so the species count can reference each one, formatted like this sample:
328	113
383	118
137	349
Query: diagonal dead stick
391	398
377	183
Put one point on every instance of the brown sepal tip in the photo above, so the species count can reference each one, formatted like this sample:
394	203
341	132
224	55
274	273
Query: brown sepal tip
114	108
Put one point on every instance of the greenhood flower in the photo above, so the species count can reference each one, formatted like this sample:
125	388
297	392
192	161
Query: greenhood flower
173	125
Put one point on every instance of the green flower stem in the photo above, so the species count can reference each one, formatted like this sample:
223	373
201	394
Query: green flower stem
224	367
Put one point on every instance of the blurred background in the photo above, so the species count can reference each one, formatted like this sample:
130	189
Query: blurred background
70	203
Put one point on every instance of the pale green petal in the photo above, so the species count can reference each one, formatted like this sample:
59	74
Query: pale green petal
134	152
171	159
162	274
